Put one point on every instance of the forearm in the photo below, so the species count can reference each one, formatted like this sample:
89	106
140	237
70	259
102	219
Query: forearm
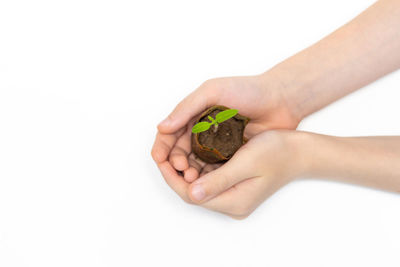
368	161
355	55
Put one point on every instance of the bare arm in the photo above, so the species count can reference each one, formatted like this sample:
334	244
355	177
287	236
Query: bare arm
355	55
368	161
275	158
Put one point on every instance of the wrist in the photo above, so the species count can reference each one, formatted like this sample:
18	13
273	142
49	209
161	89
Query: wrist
292	158
281	103
318	155
302	84
302	150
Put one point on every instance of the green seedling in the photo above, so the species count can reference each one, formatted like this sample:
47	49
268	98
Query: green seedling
220	117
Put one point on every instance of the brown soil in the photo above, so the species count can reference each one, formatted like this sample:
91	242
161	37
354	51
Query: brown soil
218	146
227	139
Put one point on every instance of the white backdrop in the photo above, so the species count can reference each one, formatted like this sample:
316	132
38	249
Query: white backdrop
83	85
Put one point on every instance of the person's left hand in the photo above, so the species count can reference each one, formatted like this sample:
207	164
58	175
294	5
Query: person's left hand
259	97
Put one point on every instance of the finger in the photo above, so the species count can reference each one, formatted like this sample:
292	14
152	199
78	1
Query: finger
163	144
175	181
178	159
209	168
180	152
195	169
237	169
196	163
191	174
198	168
195	103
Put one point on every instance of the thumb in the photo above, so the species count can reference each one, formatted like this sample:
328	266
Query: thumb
189	107
218	181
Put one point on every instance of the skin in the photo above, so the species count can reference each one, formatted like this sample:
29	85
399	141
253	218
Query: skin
277	157
358	53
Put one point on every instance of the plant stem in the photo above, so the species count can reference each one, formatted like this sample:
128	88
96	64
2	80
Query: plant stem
215	127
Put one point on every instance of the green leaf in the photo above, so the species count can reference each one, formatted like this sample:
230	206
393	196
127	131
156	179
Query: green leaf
201	127
225	115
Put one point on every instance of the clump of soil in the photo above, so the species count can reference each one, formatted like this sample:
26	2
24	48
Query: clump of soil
219	144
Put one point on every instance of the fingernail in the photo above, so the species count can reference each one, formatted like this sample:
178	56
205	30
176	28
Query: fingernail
198	192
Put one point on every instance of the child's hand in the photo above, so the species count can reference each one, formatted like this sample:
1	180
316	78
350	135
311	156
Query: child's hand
258	169
273	158
253	96
259	97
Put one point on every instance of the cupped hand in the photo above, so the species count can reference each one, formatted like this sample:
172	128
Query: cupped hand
256	97
258	169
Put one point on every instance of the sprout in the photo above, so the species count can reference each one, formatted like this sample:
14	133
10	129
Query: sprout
220	117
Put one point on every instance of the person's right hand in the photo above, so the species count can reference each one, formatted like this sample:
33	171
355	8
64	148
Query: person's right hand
257	170
257	97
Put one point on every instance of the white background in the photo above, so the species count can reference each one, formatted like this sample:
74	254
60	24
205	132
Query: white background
83	85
